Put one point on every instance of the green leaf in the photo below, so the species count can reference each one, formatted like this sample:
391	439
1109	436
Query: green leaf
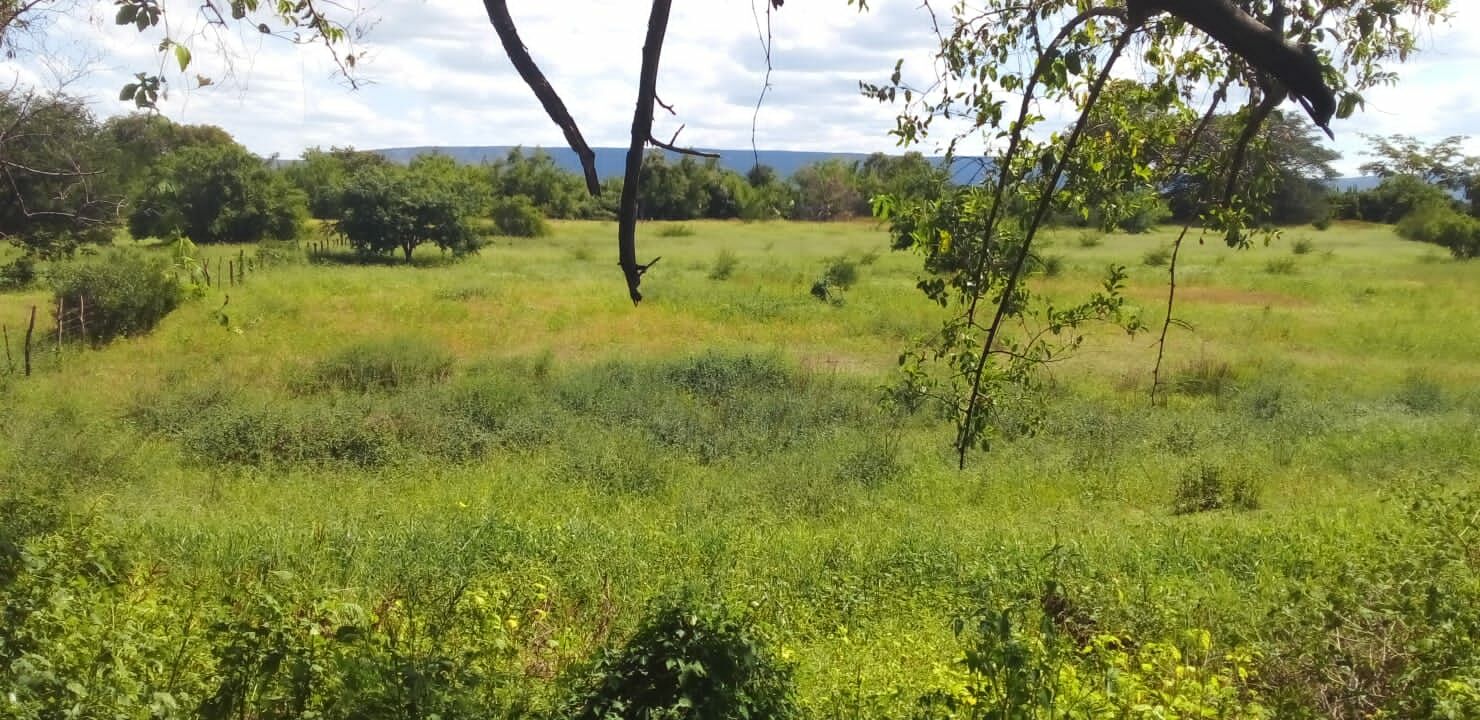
128	92
125	14
182	56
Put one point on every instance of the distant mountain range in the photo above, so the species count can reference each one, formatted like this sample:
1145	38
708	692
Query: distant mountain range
611	161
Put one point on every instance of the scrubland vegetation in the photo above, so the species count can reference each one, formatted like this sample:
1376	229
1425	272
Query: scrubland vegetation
491	488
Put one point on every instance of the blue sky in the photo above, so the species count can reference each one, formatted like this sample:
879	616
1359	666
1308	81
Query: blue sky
435	75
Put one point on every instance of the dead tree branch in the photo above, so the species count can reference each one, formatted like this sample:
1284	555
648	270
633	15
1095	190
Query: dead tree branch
503	24
642	133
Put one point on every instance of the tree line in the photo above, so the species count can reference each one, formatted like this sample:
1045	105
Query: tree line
72	179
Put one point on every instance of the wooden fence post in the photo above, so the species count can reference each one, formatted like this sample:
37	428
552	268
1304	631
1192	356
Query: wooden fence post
9	362
230	273
82	316
61	316
30	327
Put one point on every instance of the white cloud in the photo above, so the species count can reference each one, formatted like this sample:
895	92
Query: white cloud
436	75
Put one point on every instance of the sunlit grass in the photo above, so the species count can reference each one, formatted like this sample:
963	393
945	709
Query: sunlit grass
857	575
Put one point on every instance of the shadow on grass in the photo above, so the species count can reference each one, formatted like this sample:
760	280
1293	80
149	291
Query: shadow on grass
350	257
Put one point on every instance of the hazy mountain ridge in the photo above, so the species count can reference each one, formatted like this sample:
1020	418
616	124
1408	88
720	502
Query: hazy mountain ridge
610	161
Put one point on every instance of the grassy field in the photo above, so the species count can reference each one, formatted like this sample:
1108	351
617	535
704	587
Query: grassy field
505	448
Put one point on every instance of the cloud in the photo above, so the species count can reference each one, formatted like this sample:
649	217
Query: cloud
436	74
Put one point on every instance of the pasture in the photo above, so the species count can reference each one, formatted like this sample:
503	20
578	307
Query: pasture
506	458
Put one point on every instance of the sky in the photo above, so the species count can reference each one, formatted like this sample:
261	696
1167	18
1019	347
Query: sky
434	74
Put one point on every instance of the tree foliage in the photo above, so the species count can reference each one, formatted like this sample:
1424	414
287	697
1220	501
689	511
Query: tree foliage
323	174
56	193
1189	59
216	192
394	208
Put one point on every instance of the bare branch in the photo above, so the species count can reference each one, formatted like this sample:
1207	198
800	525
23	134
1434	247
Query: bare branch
503	24
669	146
642	133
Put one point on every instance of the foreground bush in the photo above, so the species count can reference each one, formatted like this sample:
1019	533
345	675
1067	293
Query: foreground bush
688	662
123	293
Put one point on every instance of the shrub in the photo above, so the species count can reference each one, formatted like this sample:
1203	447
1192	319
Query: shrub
1302	246
1049	265
1205	486
517	216
1322	223
1420	394
382	364
124	293
1205	377
687	662
18	274
1157	257
839	275
675	231
1280	266
724	265
1091	239
1441	225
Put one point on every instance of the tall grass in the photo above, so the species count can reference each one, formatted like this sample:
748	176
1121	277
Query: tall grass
491	473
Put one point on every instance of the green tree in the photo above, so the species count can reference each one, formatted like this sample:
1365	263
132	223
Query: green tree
557	193
826	190
141	140
322	175
1322	53
218	192
1443	163
55	191
393	208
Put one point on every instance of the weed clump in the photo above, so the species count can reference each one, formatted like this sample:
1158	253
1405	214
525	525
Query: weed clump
1420	394
1206	377
675	231
382	364
1206	486
724	265
1157	257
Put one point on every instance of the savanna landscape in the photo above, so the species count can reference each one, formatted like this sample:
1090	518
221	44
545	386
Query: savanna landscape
1146	416
459	482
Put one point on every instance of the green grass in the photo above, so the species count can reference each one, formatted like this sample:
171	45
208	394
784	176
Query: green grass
512	424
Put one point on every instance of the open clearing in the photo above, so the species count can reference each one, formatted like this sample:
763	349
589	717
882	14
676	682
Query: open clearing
545	449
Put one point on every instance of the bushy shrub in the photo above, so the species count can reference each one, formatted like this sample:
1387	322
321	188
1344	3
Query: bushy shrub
1205	376
687	661
724	265
1302	246
1280	266
675	230
1440	224
18	273
839	275
122	293
1420	394
1207	486
380	364
1157	257
517	216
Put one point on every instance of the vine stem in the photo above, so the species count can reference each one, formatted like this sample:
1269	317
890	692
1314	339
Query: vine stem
963	438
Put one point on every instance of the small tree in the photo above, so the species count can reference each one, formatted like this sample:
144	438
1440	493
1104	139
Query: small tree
214	193
392	208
